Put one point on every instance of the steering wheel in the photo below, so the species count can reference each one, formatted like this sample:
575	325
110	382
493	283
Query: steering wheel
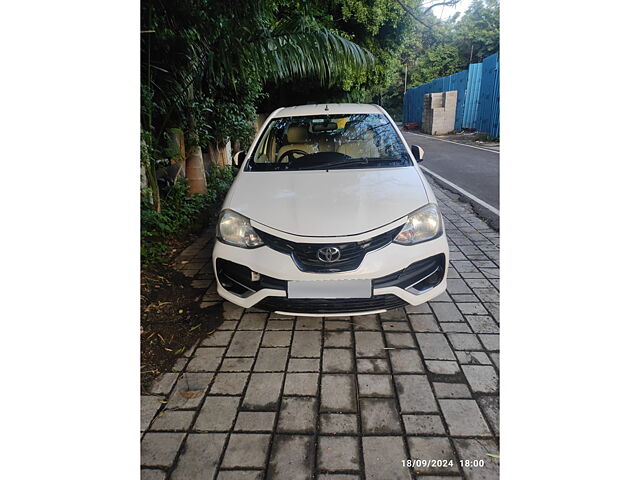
289	155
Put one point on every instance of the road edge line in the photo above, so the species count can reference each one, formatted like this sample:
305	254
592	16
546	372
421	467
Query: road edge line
481	207
451	141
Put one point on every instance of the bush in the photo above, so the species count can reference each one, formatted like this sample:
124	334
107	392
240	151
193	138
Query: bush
181	214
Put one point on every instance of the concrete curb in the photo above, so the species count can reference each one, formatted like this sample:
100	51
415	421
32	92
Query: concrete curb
481	208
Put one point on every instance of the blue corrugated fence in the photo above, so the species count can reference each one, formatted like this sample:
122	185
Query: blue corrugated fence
478	104
489	101
458	81
470	113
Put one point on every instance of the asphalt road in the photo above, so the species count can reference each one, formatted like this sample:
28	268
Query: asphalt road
475	170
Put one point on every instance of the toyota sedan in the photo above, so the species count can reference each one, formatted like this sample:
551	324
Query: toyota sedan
330	215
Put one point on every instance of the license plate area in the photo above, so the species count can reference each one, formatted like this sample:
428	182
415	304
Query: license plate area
329	289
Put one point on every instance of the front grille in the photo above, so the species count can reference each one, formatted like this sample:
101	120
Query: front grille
351	253
337	305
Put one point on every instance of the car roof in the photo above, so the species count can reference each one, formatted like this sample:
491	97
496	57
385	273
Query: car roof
327	109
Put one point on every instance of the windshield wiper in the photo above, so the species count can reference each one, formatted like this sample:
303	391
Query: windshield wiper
351	161
324	166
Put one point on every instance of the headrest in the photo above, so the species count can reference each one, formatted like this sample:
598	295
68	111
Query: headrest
354	132
297	134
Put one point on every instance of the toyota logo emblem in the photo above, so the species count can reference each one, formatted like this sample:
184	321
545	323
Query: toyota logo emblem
328	254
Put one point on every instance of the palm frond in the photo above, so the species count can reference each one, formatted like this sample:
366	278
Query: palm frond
319	54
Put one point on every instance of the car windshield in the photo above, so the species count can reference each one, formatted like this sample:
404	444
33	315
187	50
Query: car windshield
322	142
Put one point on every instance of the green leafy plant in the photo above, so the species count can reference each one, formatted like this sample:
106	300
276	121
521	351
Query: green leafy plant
180	213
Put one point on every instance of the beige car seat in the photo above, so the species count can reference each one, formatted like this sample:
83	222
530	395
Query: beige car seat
297	139
324	142
357	144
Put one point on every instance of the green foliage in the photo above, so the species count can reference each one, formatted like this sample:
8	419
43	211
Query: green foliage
444	47
477	34
171	149
440	61
233	113
180	213
206	62
380	26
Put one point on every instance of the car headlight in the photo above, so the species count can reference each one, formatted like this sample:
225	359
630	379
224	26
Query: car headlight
235	229
422	225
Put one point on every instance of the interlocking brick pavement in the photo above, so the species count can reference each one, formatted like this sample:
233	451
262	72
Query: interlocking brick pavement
272	397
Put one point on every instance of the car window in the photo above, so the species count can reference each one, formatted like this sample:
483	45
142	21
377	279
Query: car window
328	141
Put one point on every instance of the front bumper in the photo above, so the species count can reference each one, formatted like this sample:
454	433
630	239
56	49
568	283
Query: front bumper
400	275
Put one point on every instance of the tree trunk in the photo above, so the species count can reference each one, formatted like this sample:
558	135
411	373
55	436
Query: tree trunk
218	154
213	154
195	171
195	162
181	157
222	154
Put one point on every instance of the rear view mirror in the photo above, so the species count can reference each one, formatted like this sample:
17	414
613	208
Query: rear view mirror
418	153
324	127
238	158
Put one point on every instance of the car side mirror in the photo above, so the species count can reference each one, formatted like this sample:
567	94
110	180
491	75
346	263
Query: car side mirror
238	158
418	153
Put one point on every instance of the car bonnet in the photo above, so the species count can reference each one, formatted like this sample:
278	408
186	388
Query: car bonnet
327	203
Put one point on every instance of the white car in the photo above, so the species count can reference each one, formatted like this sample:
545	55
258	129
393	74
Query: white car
330	215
